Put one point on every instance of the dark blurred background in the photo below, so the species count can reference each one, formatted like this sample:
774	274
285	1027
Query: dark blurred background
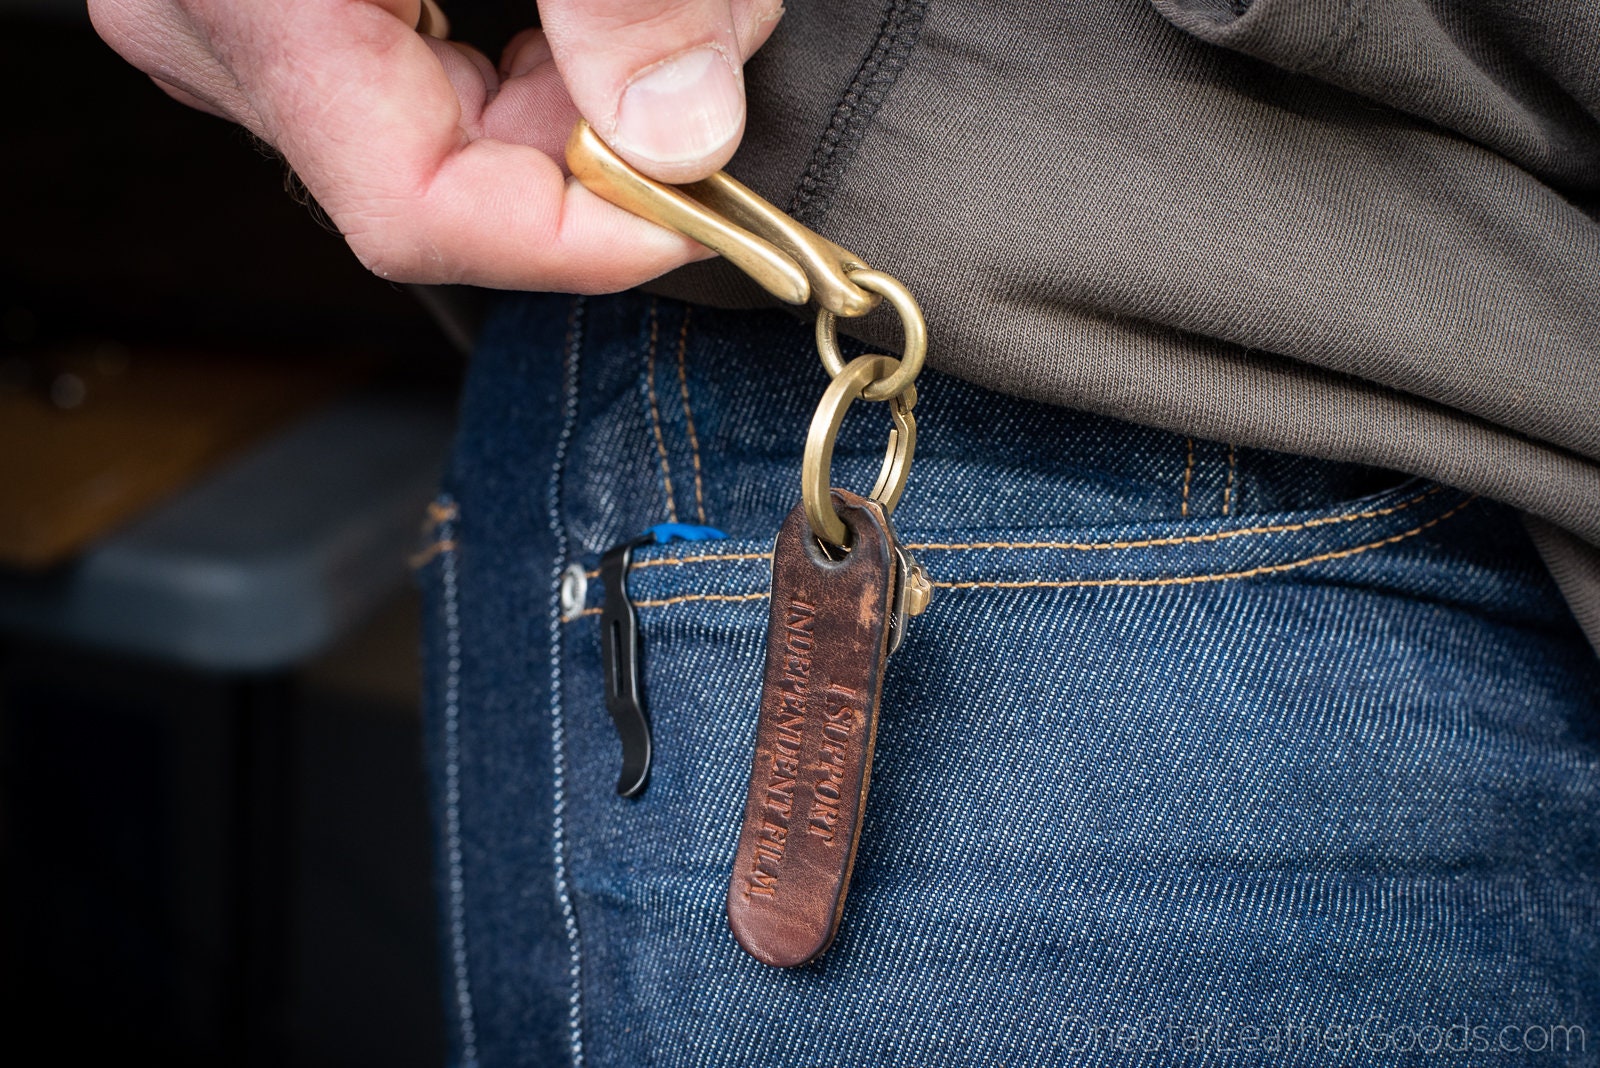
218	435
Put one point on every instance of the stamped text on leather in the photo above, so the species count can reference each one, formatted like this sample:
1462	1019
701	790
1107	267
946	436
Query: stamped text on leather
826	646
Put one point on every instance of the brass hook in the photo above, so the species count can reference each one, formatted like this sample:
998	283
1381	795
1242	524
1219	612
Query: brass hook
784	258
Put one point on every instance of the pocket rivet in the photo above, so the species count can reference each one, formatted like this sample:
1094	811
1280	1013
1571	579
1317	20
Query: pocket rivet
574	590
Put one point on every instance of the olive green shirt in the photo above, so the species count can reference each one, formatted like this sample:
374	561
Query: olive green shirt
1363	230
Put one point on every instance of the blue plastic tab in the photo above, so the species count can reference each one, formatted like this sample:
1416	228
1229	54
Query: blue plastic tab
669	532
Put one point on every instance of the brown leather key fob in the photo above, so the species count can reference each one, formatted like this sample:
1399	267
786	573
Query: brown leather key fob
842	586
836	613
828	636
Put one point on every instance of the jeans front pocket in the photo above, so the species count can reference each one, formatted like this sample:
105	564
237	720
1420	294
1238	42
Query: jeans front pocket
1135	779
1195	743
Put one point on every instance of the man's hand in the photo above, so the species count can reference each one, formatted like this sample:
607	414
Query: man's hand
435	165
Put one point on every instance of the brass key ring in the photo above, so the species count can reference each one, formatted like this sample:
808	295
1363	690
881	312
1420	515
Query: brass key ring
816	468
912	324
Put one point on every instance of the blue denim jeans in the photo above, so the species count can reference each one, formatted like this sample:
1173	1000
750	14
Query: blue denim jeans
1201	754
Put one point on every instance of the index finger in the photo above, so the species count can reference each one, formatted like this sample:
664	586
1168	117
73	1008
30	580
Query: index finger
363	109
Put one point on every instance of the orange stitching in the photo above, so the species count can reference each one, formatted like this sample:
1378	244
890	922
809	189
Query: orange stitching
681	598
1227	490
688	415
655	414
1188	475
438	515
1188	539
1189	580
423	556
1180	580
678	561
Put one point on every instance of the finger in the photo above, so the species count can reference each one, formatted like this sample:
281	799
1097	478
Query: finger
523	52
474	227
532	106
472	77
755	20
661	80
381	129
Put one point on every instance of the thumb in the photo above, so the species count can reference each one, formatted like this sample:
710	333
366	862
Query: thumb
662	81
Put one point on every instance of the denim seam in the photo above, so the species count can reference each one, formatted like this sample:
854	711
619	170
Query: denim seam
1227	487
1062	584
445	548
440	512
574	341
685	598
679	561
688	414
655	410
426	555
1076	546
1188	477
1223	576
1186	539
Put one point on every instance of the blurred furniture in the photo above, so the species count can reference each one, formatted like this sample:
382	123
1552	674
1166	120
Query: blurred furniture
96	433
262	564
